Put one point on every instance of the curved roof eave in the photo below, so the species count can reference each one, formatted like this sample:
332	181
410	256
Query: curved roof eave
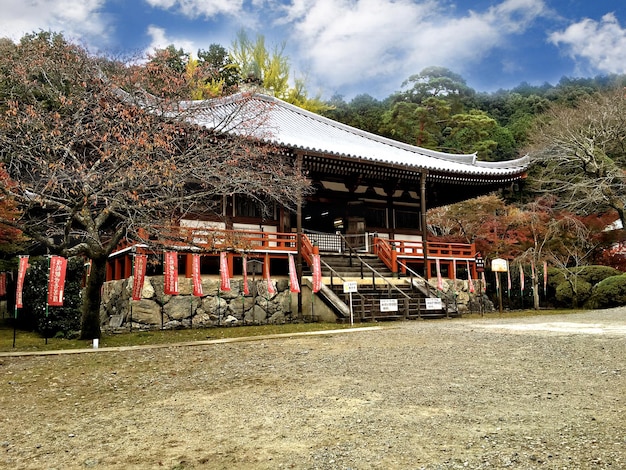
275	121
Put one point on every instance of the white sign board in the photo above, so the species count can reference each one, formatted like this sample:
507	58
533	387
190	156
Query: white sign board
388	305
499	265
433	303
349	287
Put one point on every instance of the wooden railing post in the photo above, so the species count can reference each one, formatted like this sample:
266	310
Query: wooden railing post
394	260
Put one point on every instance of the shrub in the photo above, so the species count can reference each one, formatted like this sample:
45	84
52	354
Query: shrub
566	297
610	292
595	274
58	320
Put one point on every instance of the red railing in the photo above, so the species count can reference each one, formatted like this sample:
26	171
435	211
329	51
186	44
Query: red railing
307	250
390	250
213	239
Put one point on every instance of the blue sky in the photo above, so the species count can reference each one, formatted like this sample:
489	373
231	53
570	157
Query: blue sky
352	47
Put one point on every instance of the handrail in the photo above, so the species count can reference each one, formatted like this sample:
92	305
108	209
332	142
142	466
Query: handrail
212	238
306	249
374	272
427	286
339	276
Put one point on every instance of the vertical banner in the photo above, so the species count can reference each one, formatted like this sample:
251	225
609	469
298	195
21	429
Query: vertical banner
268	278
545	276
21	274
470	283
521	279
439	278
3	284
170	272
195	275
56	281
244	261
139	275
225	275
484	282
294	285
317	273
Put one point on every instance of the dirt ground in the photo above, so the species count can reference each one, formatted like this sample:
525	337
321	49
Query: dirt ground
541	392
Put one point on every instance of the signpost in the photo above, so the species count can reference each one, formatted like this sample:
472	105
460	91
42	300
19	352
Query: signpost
348	288
480	263
499	265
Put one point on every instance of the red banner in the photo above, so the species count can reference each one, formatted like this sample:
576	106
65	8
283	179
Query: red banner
56	281
439	278
195	275
246	290
268	278
224	272
317	273
521	278
470	283
3	284
170	271
139	275
294	285
21	274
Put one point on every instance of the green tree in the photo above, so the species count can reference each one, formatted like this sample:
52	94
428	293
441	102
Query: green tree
270	69
438	82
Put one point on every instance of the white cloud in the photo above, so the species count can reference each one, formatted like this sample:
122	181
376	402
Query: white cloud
198	8
160	40
348	41
76	19
601	44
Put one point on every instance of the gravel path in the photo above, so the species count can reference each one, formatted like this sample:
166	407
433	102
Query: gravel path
541	392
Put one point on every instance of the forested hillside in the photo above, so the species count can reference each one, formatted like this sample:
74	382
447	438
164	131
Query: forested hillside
437	110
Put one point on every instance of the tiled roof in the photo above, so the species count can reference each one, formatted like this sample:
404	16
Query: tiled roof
283	124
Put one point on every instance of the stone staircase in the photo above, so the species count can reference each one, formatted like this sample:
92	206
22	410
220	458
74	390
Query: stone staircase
380	296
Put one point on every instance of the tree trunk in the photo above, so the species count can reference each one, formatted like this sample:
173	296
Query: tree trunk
90	321
535	280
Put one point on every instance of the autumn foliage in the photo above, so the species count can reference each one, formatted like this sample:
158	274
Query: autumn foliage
94	157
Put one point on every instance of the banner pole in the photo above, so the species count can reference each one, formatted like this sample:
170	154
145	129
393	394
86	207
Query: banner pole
130	321
45	334
14	324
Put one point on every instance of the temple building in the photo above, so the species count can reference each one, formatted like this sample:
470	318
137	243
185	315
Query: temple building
370	199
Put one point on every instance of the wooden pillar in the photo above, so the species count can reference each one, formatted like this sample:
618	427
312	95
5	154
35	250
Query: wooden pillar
109	270
299	235
424	224
128	266
188	265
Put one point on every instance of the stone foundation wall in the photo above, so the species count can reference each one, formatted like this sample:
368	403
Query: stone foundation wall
466	302
216	307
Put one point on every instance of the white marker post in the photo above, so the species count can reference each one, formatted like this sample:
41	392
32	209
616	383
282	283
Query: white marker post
348	288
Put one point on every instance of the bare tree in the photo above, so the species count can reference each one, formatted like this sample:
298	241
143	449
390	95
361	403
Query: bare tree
580	154
91	164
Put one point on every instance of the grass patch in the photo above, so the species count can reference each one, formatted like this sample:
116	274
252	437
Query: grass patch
30	341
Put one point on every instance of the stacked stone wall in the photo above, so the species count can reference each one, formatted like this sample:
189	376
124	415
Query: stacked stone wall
216	307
